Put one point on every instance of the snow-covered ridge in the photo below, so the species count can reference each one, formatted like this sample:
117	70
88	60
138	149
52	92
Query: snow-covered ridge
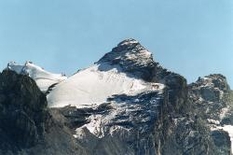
91	86
43	78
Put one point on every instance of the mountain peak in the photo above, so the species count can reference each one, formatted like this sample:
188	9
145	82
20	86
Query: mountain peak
215	81
128	50
130	56
129	41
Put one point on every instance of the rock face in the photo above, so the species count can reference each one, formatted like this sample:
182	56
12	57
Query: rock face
26	125
130	57
156	113
22	111
198	128
211	98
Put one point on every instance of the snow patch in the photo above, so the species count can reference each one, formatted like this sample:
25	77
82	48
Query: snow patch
212	121
223	112
95	125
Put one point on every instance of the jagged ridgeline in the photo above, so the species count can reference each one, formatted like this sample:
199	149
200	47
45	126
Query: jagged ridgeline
124	104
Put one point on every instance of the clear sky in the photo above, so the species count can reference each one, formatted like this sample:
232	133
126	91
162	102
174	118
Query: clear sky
190	37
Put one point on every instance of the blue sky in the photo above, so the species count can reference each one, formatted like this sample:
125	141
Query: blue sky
190	37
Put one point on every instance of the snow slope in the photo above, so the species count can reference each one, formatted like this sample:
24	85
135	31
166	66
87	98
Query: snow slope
43	78
92	86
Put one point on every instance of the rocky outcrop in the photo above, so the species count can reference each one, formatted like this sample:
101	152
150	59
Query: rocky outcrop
208	96
176	84
22	111
131	57
22	107
26	125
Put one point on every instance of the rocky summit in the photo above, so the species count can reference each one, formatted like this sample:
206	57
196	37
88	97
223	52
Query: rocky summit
124	104
132	58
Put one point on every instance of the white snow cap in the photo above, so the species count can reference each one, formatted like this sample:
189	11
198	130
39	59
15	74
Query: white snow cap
43	79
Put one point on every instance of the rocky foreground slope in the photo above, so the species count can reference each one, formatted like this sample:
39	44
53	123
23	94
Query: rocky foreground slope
124	104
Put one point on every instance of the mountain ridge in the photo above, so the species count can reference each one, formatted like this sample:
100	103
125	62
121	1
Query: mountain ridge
126	103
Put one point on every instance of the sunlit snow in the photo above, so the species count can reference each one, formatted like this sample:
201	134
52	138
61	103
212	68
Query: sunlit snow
91	87
43	78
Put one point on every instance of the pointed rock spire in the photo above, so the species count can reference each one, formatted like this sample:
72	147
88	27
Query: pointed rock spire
131	56
128	51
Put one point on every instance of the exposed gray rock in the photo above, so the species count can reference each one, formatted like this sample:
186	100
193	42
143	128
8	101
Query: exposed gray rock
222	141
208	96
132	58
22	109
26	125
